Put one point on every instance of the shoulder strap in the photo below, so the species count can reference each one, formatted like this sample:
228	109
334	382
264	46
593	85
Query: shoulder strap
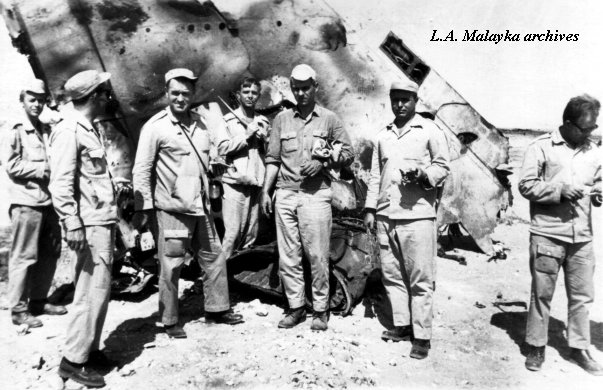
194	148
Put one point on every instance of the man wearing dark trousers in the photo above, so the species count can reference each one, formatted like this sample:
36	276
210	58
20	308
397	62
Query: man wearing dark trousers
561	177
36	243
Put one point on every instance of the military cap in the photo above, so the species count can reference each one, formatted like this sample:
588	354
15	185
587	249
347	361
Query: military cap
404	85
303	72
83	83
35	86
179	72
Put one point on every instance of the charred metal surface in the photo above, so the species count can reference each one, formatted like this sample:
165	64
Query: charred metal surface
126	15
223	40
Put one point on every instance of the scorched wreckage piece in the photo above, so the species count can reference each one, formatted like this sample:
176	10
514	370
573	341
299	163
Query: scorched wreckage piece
221	41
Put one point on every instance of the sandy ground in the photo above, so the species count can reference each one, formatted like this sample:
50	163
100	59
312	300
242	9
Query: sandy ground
475	343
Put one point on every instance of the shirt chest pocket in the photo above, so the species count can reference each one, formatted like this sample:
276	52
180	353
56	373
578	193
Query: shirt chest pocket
288	142
36	152
93	161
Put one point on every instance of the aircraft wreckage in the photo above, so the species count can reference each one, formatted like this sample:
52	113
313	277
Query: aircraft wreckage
221	41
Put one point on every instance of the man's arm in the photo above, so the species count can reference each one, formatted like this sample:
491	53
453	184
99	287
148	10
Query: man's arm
16	167
531	185
143	169
226	144
273	165
438	170
372	193
346	157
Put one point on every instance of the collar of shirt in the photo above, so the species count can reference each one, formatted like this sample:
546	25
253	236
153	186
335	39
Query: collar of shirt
412	123
195	121
79	118
557	139
315	112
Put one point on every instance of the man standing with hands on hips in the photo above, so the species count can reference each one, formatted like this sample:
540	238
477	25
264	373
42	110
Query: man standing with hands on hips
303	195
410	160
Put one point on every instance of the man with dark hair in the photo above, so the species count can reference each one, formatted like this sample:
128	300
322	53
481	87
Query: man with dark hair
83	196
241	144
561	177
303	195
410	160
170	177
36	243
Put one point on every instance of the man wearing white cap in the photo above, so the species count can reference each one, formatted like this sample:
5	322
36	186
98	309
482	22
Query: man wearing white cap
170	178
303	195
36	243
410	160
83	197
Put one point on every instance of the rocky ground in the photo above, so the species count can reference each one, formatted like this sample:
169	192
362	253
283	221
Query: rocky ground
480	314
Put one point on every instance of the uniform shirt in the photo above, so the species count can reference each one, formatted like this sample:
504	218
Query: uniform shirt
549	163
246	155
419	142
291	141
24	155
80	182
167	173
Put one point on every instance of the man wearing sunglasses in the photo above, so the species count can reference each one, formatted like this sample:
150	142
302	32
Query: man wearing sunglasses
561	177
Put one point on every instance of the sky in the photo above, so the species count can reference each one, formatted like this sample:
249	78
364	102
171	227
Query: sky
512	84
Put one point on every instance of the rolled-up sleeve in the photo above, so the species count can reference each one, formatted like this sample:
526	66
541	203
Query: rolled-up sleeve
341	135
273	156
374	181
438	170
16	166
531	184
143	168
63	167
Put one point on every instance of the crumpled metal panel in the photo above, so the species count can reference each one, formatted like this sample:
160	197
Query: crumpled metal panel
221	41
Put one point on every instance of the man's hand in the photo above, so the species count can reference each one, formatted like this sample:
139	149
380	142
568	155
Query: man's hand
310	168
266	203
369	220
76	239
140	220
571	192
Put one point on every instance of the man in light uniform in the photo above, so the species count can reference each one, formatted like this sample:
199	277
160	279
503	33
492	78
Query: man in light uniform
241	144
303	195
83	196
170	178
410	160
36	243
561	177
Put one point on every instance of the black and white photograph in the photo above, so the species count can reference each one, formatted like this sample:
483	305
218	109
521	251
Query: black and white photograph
301	194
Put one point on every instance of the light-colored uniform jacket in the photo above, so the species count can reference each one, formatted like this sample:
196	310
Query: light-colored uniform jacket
247	156
419	142
80	183
167	172
24	155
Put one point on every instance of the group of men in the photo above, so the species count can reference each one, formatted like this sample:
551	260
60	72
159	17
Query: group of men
61	178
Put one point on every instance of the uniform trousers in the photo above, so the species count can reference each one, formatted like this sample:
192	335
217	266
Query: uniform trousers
303	223
408	251
33	256
547	257
179	236
92	279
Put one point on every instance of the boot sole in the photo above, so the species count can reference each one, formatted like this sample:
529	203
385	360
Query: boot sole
395	339
69	375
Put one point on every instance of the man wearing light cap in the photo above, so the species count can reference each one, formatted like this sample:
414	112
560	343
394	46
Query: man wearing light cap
303	195
410	160
83	196
170	179
36	243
